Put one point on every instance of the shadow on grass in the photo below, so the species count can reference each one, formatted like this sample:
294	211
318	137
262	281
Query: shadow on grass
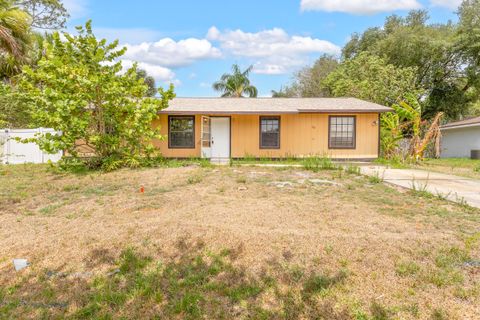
192	284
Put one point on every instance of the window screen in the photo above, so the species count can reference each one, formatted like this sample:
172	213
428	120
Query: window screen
269	132
342	132
181	132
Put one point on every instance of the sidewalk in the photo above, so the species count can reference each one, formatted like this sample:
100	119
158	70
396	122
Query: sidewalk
453	188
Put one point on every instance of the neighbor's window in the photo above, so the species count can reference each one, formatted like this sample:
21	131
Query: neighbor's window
342	132
269	132
181	132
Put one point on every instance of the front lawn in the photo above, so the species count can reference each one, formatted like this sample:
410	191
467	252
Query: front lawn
232	242
456	166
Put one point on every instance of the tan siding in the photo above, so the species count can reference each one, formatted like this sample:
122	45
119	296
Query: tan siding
301	135
176	153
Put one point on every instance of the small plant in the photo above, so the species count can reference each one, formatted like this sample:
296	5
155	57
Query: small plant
406	268
439	314
380	312
352	169
376	178
241	180
316	283
477	168
195	178
316	164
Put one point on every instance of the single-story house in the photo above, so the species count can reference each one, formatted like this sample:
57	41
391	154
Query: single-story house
224	128
460	138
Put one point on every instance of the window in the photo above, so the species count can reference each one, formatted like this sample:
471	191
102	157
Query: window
181	132
269	132
341	132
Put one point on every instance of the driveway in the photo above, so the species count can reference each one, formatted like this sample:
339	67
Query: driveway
453	188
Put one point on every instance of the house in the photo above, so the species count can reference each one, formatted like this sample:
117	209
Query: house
460	138
223	128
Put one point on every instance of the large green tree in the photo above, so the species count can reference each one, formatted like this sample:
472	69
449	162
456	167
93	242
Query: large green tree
430	48
308	82
78	88
371	78
236	84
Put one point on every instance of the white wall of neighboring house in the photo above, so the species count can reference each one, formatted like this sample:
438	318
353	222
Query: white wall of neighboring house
14	152
458	142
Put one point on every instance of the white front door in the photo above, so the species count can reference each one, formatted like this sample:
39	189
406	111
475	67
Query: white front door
220	132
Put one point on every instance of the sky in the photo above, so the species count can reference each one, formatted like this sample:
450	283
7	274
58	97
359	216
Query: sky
191	43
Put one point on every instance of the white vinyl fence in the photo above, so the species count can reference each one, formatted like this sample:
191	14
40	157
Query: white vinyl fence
14	152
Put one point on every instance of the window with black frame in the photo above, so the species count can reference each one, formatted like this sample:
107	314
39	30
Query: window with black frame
342	132
269	132
181	132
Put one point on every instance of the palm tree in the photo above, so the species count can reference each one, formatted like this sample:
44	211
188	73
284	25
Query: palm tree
237	84
14	33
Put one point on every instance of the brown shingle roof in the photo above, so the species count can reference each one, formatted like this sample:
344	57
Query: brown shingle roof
271	106
463	123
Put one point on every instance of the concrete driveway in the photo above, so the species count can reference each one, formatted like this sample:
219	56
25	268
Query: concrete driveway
453	188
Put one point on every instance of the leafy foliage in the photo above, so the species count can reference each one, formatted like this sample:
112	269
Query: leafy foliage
309	81
14	32
78	89
371	78
149	81
433	49
237	84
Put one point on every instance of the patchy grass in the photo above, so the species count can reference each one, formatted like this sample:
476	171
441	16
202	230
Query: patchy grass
253	248
457	166
191	284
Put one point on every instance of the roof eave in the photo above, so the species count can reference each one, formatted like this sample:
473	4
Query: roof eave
470	125
304	111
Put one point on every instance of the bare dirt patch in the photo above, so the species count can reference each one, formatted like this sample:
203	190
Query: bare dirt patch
404	253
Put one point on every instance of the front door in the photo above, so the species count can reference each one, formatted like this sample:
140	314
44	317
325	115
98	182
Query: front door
220	135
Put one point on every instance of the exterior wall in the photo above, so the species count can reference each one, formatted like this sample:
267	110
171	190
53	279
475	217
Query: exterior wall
177	153
457	143
301	135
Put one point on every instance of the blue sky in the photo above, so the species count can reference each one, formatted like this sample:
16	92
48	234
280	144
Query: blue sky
191	43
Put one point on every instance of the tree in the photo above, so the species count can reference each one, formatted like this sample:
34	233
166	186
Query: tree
45	14
237	84
430	48
308	82
149	81
14	30
371	78
467	47
78	89
13	113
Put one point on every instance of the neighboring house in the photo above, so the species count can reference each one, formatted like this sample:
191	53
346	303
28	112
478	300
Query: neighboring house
460	138
223	128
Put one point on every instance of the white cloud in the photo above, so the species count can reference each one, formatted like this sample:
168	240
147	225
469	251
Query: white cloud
360	6
160	73
170	53
450	4
76	8
274	51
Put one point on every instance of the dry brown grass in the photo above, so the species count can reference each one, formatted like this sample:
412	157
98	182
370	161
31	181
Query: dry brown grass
403	253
